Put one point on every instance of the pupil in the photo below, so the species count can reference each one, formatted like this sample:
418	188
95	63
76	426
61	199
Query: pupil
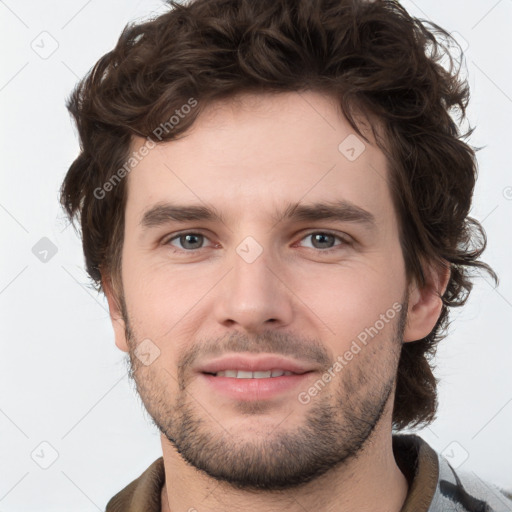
321	236
187	240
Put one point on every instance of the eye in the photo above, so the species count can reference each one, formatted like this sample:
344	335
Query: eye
189	241
192	241
324	240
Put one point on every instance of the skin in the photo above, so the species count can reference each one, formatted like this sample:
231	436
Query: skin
247	157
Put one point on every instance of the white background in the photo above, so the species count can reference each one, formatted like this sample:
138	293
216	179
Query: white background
62	379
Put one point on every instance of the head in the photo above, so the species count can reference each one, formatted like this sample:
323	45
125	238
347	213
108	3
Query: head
263	116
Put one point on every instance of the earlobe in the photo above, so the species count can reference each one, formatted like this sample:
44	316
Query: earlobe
425	304
116	316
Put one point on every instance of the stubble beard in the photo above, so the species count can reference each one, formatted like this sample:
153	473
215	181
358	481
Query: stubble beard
334	426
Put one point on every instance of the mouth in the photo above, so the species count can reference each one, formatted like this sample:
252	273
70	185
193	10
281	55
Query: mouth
244	374
245	377
244	385
263	366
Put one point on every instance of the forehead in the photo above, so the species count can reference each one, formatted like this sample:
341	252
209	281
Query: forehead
251	154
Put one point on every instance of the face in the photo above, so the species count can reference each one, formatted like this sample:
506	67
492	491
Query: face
319	289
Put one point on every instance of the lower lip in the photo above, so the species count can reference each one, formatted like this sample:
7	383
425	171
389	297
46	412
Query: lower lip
255	389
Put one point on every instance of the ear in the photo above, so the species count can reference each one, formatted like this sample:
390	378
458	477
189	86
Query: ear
425	304
116	316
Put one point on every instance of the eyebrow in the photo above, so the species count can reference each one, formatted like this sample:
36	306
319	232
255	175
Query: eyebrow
340	210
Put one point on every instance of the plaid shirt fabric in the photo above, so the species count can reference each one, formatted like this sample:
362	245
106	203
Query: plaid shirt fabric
434	486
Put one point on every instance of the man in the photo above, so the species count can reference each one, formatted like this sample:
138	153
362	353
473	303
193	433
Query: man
274	199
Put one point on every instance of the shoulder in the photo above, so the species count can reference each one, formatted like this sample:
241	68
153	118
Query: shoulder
143	493
463	490
435	485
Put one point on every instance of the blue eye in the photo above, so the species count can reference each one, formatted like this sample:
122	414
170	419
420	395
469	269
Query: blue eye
325	237
187	239
323	241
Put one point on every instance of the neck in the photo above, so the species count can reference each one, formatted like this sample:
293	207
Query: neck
371	481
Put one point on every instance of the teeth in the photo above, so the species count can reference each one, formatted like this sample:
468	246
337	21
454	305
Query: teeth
262	375
242	374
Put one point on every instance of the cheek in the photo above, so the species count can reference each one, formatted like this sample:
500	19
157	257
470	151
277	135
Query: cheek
161	299
350	300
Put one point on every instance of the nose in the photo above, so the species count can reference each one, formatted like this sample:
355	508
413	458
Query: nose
254	294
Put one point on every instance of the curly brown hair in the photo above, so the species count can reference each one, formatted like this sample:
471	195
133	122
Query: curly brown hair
372	56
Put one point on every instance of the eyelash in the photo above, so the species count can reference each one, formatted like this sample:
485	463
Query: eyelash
344	241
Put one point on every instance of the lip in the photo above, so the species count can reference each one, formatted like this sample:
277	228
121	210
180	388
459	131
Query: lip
255	389
254	364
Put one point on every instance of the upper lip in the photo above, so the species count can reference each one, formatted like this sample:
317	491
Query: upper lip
254	364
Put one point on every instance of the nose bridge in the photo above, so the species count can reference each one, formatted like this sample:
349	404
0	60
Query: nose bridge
251	295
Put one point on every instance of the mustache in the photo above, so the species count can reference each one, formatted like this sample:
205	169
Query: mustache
273	342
